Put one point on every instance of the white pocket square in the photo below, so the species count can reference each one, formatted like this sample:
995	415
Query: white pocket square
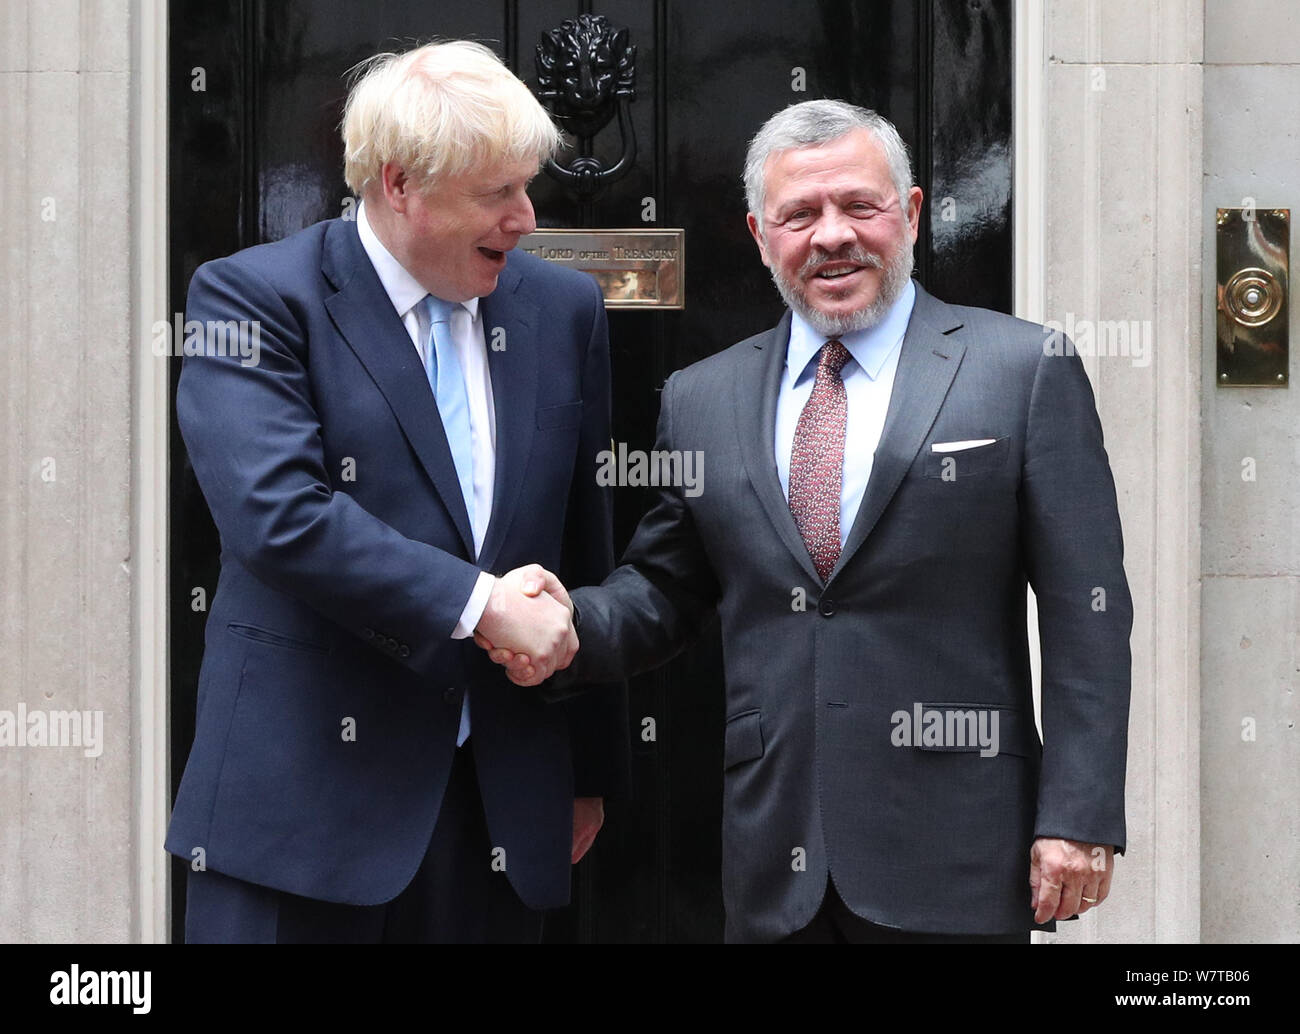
973	443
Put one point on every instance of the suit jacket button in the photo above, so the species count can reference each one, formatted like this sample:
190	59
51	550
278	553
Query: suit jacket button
826	608
449	694
403	651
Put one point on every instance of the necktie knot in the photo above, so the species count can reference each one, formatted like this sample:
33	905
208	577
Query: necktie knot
438	310
834	356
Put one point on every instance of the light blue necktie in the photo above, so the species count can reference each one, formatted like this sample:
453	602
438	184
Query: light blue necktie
447	379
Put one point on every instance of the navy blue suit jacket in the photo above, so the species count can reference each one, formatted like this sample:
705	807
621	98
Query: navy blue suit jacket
330	691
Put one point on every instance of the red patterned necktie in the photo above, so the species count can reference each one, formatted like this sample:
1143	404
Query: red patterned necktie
817	461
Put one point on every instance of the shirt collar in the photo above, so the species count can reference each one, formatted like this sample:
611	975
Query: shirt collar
403	290
869	348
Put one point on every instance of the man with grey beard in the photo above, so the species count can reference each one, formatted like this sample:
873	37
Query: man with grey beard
890	475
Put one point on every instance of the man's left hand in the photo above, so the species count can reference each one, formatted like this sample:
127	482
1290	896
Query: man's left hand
1068	877
588	817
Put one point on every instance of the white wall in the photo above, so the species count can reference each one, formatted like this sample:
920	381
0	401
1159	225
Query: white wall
1250	557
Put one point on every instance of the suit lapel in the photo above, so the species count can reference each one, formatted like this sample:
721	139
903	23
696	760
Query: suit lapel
760	378
363	314
927	365
509	317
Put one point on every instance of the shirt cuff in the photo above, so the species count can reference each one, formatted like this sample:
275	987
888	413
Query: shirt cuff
473	612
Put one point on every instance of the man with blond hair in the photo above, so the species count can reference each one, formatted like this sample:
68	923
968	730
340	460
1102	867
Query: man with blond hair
410	435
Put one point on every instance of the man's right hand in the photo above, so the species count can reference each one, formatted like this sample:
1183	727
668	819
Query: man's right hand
528	619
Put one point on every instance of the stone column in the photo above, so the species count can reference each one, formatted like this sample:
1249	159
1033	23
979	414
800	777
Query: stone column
1121	173
68	862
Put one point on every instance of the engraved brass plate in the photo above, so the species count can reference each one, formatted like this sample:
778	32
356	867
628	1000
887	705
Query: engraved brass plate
636	269
1252	258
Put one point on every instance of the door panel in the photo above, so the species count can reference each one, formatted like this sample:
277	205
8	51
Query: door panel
255	156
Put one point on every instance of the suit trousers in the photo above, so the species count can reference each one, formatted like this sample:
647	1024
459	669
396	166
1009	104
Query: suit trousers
455	897
835	923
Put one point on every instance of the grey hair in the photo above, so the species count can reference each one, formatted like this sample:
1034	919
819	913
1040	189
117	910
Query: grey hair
812	123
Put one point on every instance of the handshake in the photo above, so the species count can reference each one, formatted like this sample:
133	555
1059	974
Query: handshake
527	625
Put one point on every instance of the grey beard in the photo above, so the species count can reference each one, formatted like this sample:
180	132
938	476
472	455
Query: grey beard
897	273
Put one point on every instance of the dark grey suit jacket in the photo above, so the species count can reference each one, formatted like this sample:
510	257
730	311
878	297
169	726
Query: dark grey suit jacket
925	606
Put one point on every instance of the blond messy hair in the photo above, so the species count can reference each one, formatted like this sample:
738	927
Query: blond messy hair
442	109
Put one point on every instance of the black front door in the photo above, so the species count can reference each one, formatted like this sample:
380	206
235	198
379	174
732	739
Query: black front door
256	92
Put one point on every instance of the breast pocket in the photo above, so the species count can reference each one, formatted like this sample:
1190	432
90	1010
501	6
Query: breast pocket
970	462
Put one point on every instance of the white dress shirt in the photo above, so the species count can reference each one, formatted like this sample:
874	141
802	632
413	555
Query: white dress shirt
407	296
868	382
